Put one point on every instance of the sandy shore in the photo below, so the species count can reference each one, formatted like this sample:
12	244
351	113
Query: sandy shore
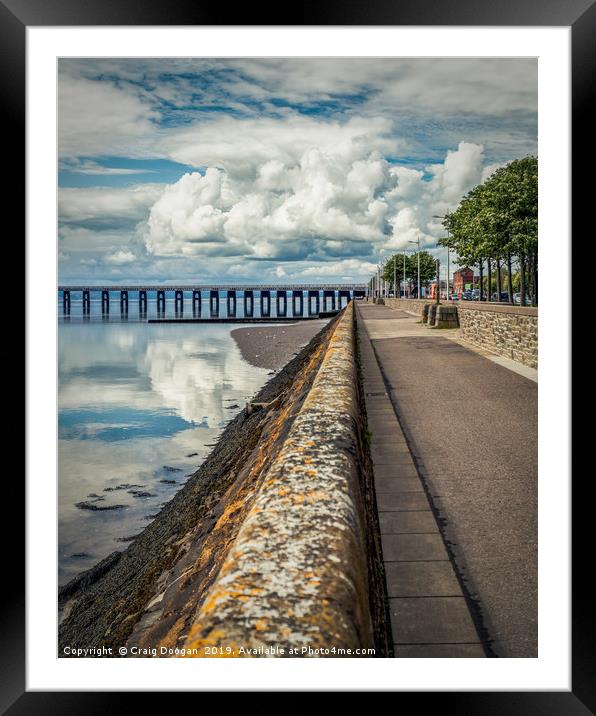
272	346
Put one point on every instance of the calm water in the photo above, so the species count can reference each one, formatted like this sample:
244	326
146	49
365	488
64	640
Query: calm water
139	406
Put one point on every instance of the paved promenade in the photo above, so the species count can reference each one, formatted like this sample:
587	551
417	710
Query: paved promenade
453	425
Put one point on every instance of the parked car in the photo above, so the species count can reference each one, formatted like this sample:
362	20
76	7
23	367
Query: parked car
467	296
517	299
454	297
504	296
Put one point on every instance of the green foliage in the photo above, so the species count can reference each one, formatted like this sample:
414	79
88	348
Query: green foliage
428	270
497	217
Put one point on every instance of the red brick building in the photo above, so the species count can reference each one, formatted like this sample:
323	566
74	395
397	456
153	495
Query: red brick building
461	277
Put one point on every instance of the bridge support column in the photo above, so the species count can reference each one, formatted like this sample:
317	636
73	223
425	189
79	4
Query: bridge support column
231	304
142	303
281	304
341	296
178	302
313	295
161	302
105	302
65	301
328	295
196	304
297	303
124	302
249	304
86	301
265	304
214	304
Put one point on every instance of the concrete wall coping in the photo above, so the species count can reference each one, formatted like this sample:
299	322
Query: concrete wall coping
296	575
496	307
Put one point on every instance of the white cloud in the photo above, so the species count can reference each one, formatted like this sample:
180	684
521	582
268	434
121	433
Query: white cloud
121	257
301	165
97	117
89	167
320	206
82	204
244	146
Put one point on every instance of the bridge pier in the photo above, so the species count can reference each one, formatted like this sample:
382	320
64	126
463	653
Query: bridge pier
65	302
341	295
161	302
297	303
281	304
249	304
86	301
105	302
313	295
265	304
124	303
196	304
331	295
231	304
142	303
178	303
214	304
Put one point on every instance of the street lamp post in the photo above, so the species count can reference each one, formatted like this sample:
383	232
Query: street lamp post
404	276
417	242
394	275
438	291
446	216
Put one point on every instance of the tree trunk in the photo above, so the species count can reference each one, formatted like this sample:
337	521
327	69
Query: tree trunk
522	279
481	279
509	279
489	295
535	279
499	280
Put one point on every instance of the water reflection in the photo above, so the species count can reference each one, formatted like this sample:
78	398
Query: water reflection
139	406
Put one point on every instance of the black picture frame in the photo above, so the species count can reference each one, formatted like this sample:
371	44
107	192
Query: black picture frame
580	15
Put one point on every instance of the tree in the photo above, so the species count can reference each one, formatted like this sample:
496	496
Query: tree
428	269
499	219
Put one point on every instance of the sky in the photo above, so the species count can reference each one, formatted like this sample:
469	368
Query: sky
274	170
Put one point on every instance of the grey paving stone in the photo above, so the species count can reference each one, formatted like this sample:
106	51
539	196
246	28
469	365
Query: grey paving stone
392	483
421	579
398	470
387	427
431	620
439	651
401	501
413	547
407	522
383	456
391	442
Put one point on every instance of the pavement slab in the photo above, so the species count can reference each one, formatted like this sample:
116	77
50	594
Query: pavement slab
417	565
470	423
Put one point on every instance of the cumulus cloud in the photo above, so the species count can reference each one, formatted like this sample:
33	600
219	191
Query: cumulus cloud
301	168
322	204
120	257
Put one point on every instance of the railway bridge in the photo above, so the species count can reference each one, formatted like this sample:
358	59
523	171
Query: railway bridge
206	300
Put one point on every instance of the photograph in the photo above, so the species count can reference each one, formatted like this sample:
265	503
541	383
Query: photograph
297	305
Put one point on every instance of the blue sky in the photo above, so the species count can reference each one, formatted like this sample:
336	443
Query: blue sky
302	170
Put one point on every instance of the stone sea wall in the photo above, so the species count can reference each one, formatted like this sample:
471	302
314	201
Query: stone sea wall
298	576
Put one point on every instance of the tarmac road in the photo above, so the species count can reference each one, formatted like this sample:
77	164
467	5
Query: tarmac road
472	428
